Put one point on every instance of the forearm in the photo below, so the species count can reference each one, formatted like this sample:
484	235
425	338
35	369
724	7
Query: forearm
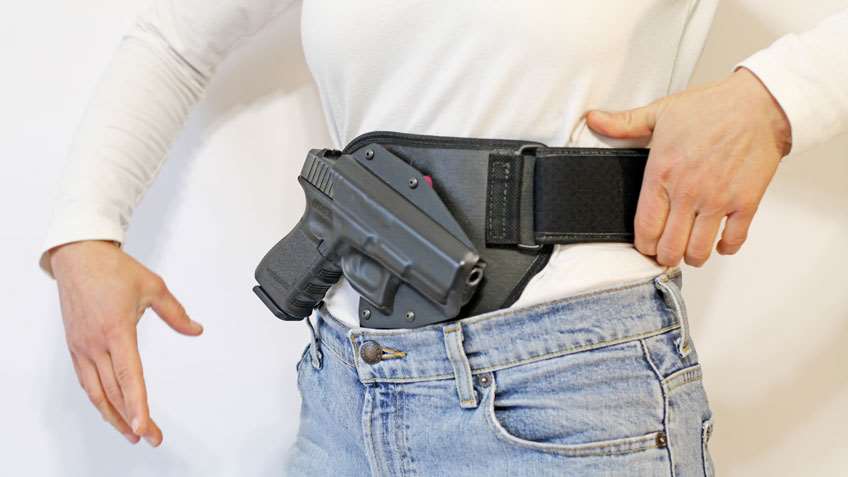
138	108
159	71
807	74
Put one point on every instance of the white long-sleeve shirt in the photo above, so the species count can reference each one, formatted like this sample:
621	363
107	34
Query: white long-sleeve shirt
482	68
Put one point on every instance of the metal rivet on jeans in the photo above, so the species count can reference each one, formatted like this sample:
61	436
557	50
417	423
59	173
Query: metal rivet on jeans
371	352
662	440
484	380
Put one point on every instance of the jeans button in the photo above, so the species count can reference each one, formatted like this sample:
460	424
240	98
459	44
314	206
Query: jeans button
484	380
371	352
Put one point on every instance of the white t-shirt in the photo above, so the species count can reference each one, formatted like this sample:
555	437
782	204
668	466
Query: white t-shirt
483	68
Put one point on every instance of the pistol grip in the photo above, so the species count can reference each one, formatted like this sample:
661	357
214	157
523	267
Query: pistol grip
294	276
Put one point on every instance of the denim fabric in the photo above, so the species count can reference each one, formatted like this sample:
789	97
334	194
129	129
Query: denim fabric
606	383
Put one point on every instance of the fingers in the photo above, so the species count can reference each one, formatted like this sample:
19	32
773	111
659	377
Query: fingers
634	123
172	312
735	232
675	235
651	214
126	362
103	364
90	381
703	237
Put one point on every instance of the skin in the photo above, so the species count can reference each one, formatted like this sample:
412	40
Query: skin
103	293
714	150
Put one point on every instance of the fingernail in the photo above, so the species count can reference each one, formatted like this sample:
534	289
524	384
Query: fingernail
151	441
132	438
135	424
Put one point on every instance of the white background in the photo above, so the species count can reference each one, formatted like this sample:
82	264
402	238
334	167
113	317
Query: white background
771	324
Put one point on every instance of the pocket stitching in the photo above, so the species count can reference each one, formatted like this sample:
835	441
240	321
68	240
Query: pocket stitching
624	445
303	354
682	377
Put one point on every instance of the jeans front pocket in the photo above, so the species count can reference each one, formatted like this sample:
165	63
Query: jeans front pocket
600	402
303	356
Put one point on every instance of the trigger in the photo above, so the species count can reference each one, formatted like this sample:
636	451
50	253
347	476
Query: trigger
370	280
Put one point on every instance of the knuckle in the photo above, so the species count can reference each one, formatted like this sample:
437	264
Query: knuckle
686	195
82	345
123	374
661	167
747	204
97	398
647	247
112	390
667	250
715	204
112	329
157	285
77	345
697	258
647	226
669	254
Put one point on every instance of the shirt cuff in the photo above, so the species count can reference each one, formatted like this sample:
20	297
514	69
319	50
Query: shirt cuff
785	72
68	226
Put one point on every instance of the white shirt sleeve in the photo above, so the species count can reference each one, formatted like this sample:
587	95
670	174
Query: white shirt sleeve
159	71
807	74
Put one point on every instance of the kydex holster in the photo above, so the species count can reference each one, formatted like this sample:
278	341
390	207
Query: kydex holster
430	228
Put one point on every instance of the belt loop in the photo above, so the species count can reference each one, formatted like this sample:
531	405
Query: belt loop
315	354
674	299
461	368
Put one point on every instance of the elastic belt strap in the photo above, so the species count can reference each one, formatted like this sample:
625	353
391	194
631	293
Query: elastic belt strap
547	195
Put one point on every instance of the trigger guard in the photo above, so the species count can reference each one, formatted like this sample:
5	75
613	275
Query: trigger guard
370	280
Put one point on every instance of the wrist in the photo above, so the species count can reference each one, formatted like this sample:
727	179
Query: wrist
61	253
766	104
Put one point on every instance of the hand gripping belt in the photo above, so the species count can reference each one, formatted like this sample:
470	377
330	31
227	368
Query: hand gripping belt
515	199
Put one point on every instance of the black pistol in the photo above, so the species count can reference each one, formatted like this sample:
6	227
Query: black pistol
376	220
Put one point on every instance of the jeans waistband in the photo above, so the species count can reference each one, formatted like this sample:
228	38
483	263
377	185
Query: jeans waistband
507	337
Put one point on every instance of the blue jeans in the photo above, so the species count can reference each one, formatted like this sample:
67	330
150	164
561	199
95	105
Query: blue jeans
606	383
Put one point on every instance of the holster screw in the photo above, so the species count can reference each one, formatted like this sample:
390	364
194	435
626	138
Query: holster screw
413	183
369	154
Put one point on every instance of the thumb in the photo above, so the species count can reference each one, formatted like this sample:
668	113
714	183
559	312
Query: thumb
630	124
172	312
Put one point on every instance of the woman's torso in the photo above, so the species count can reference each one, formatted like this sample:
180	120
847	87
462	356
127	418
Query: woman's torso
527	70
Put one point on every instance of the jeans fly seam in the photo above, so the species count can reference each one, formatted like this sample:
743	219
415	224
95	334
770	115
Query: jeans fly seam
664	395
367	408
406	460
